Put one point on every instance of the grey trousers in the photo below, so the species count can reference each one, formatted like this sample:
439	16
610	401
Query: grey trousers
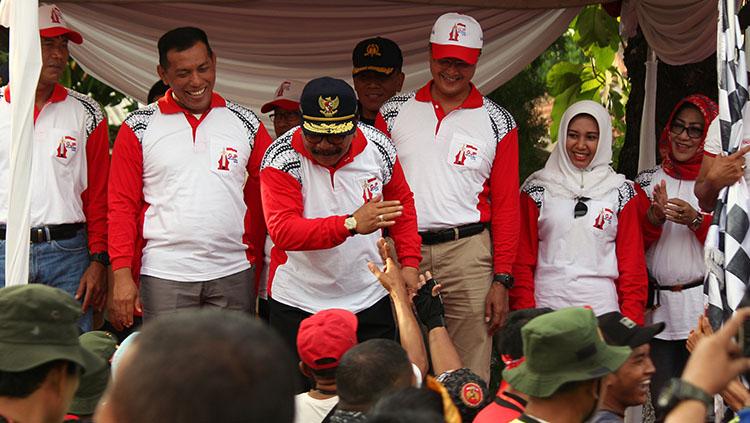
163	296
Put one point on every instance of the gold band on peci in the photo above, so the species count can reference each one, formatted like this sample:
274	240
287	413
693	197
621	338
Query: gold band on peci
325	119
328	128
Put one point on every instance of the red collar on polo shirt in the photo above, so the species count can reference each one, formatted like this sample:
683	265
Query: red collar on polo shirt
357	146
59	93
473	101
168	105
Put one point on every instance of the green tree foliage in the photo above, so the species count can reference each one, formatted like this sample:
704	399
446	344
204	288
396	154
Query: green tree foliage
593	74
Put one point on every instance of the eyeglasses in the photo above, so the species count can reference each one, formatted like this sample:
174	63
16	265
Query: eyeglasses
332	139
581	208
286	116
694	132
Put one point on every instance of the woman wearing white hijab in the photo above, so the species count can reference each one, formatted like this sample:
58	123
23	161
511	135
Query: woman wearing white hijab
581	241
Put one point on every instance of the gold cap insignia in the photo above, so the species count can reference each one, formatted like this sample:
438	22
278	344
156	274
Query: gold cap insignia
372	50
328	106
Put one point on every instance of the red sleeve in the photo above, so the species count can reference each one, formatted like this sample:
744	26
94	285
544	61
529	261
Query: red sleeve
381	124
632	284
125	197
404	232
94	198
651	232
522	294
255	226
505	214
283	209
702	231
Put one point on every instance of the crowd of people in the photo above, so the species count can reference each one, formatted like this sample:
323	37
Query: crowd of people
366	262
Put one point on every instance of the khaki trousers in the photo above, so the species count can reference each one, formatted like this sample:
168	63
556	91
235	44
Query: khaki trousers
464	268
232	292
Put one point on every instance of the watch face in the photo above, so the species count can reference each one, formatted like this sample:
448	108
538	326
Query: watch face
350	223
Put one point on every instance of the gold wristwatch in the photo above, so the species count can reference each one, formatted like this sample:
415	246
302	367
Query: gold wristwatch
351	224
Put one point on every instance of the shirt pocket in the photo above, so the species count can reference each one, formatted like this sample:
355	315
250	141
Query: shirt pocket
465	152
63	146
604	225
226	158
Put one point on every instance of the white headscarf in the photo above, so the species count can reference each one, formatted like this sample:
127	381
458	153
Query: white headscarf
562	178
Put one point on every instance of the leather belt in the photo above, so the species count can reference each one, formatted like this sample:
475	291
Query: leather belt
452	234
682	287
50	233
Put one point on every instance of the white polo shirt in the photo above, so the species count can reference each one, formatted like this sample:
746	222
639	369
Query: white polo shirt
69	167
178	182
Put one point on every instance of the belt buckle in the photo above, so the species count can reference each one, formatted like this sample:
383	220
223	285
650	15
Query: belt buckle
40	234
456	234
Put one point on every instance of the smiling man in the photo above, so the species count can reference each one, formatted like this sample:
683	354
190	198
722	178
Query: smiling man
377	75
460	156
328	188
68	177
181	215
629	385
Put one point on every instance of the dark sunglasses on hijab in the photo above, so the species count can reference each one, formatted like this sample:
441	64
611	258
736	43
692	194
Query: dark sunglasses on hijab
581	208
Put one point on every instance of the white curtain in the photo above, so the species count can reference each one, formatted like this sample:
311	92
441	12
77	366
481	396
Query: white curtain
679	31
260	43
25	64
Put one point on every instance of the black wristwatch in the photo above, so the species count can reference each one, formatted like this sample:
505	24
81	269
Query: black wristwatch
101	257
504	279
678	390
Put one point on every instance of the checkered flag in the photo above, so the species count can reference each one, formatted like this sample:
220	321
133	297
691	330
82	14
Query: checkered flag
727	243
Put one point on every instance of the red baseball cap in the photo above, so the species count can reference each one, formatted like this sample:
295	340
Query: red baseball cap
325	336
52	24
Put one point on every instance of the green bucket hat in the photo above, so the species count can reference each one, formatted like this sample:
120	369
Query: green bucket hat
92	386
560	347
39	324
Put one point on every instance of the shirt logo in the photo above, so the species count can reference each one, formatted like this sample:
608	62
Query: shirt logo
55	15
458	29
328	106
373	50
285	86
471	394
371	188
466	152
228	155
604	219
66	144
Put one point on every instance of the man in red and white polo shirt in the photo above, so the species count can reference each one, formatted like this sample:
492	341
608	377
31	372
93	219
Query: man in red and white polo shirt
180	212
68	177
460	155
328	189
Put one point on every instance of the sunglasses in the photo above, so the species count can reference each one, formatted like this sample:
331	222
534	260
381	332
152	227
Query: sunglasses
581	208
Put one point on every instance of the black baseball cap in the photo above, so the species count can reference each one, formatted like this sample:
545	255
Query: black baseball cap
377	54
621	331
329	107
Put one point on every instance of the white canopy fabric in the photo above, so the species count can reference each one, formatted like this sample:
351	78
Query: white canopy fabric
26	62
261	43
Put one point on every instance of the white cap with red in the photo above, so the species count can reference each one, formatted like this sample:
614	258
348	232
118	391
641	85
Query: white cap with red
287	96
52	24
458	36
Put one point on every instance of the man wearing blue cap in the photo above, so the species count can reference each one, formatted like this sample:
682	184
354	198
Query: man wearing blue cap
328	188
